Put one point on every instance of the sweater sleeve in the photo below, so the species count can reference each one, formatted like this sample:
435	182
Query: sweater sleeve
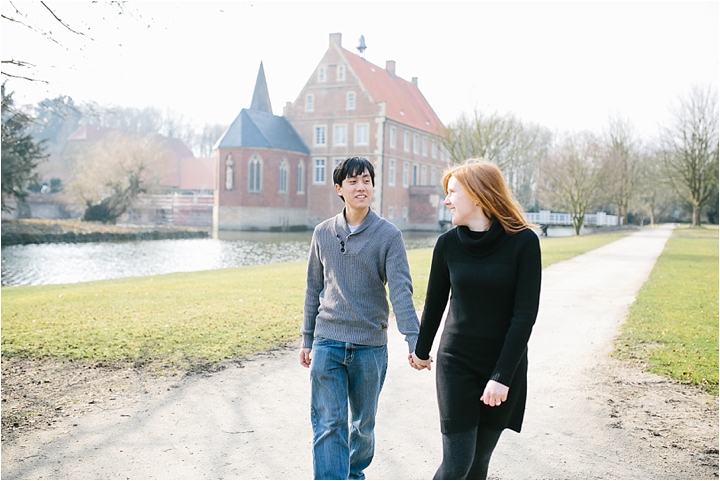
401	290
525	309
436	298
314	286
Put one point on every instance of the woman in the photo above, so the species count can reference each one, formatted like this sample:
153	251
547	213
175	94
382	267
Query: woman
491	263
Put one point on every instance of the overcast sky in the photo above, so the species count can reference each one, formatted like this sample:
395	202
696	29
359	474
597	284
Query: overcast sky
568	66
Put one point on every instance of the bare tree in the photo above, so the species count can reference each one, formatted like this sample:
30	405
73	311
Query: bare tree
689	150
516	148
621	165
571	176
113	172
655	194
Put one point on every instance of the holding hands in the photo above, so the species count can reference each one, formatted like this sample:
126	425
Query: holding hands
420	364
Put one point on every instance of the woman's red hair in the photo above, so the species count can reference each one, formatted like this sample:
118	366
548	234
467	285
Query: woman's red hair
485	185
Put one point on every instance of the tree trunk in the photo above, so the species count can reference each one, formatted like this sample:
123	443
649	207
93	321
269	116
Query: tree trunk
577	224
696	215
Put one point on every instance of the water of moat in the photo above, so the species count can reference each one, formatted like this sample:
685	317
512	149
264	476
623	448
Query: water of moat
38	264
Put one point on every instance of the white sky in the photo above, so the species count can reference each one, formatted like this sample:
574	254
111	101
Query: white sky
568	66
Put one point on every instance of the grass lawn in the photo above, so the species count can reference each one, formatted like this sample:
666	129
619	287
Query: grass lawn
187	320
672	327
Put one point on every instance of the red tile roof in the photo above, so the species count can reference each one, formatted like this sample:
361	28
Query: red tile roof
403	100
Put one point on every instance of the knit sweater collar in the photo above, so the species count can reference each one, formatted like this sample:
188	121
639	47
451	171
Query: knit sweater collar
341	225
493	239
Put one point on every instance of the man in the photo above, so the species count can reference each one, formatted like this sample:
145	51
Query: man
352	257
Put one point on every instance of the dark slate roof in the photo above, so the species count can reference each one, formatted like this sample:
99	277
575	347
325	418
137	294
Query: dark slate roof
255	128
261	96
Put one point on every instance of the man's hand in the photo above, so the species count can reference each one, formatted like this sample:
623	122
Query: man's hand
494	394
305	357
420	364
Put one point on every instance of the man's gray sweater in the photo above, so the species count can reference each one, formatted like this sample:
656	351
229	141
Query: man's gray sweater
346	297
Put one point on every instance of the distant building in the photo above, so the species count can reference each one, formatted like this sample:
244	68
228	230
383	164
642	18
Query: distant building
276	172
184	190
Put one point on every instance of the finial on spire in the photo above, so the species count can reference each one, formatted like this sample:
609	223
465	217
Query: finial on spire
361	46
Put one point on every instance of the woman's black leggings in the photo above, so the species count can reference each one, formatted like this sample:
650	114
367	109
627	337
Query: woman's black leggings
466	455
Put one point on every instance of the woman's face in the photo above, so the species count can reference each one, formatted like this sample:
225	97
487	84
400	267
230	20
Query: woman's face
463	209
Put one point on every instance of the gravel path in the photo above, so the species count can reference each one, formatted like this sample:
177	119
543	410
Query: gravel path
588	416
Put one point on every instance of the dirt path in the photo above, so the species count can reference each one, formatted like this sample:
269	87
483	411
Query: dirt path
588	417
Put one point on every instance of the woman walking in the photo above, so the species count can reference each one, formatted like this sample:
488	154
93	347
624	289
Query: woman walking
490	263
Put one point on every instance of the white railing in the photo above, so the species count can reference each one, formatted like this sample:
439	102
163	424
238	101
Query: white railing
545	217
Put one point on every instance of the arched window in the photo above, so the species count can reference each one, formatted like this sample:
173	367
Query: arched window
301	177
283	177
255	174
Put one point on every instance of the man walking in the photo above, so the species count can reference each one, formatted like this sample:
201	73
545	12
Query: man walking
353	256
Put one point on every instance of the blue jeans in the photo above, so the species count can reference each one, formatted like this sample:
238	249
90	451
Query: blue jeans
344	375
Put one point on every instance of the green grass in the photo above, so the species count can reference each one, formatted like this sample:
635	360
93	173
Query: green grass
672	327
186	320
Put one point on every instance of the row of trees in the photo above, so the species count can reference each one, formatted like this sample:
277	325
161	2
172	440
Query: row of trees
55	119
616	172
577	172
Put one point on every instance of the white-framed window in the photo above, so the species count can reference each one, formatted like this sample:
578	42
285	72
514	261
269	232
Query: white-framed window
336	162
423	175
391	212
322	74
283	177
406	174
350	101
254	174
433	150
405	213
433	176
341	73
310	103
320	135
361	134
415	174
406	141
391	172
301	177
424	147
340	135
393	137
319	174
416	143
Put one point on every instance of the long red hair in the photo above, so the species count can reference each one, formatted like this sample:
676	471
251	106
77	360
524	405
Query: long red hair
485	185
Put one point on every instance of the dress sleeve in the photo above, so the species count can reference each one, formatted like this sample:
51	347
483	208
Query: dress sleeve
436	298
525	309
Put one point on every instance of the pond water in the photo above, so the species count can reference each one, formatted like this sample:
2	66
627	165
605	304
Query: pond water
38	264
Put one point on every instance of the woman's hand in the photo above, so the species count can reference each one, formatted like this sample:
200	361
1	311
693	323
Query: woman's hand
420	364
494	394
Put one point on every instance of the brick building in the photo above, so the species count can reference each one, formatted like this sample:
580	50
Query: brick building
276	172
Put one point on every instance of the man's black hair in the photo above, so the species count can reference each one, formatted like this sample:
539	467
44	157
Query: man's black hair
352	167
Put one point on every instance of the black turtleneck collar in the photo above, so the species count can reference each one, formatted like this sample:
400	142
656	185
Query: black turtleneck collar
483	245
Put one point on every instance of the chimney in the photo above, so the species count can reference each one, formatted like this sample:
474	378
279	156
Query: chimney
390	66
336	39
414	81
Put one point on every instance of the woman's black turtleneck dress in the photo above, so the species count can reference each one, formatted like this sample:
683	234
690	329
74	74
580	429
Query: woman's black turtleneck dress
493	280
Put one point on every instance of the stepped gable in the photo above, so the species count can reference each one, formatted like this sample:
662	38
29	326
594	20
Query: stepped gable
403	100
255	128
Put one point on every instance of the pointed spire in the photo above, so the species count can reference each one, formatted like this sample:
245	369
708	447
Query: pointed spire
261	97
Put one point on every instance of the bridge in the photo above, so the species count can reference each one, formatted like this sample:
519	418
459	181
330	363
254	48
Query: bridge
545	219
